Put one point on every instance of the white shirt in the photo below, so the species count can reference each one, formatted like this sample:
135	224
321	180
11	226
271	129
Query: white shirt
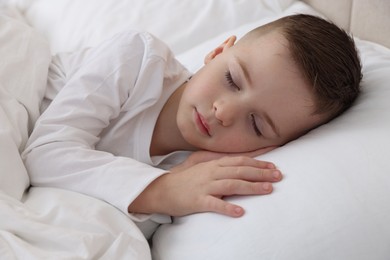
94	138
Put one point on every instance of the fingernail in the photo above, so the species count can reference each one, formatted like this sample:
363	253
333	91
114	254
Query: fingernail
276	174
238	211
267	186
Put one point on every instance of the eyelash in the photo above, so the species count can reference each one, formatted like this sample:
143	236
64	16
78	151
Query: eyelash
230	80
257	131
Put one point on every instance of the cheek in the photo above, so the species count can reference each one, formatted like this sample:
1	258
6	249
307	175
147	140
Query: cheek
205	83
205	88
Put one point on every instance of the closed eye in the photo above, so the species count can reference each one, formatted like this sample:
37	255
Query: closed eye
230	80
254	125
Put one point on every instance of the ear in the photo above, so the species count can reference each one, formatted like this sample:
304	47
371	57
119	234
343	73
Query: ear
221	48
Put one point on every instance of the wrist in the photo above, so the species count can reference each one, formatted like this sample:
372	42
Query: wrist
150	200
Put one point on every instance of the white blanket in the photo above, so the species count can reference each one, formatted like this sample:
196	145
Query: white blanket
59	224
46	223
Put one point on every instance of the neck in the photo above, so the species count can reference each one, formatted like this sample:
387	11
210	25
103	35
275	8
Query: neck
167	137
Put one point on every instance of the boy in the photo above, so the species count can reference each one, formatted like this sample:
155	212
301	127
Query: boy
126	107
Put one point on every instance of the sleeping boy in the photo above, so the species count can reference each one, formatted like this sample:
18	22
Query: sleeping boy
116	113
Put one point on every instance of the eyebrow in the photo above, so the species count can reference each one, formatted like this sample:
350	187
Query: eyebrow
248	79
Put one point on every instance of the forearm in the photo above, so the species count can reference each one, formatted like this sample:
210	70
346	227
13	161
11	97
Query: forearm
116	180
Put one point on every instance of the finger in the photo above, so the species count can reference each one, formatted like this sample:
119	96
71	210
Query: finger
260	151
239	187
217	205
244	161
248	173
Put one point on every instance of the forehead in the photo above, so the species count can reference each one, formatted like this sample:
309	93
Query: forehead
266	61
269	49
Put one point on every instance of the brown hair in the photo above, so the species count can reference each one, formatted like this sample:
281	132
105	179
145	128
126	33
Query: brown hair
328	59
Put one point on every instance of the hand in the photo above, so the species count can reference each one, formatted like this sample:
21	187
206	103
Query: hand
201	187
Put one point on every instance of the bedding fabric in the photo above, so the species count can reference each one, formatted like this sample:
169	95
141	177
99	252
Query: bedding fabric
72	24
22	52
51	223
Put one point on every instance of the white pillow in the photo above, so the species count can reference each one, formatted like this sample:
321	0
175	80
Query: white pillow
72	24
25	58
334	200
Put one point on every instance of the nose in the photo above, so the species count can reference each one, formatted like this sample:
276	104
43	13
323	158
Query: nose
225	112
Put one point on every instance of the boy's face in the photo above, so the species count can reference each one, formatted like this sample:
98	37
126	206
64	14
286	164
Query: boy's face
247	96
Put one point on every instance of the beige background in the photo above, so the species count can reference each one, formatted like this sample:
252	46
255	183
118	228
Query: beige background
368	20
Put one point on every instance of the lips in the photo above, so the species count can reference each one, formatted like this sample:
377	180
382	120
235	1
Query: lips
201	123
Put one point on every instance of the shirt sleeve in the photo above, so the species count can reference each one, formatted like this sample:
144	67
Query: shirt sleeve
61	150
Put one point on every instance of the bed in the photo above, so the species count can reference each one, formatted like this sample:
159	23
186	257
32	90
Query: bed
334	200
